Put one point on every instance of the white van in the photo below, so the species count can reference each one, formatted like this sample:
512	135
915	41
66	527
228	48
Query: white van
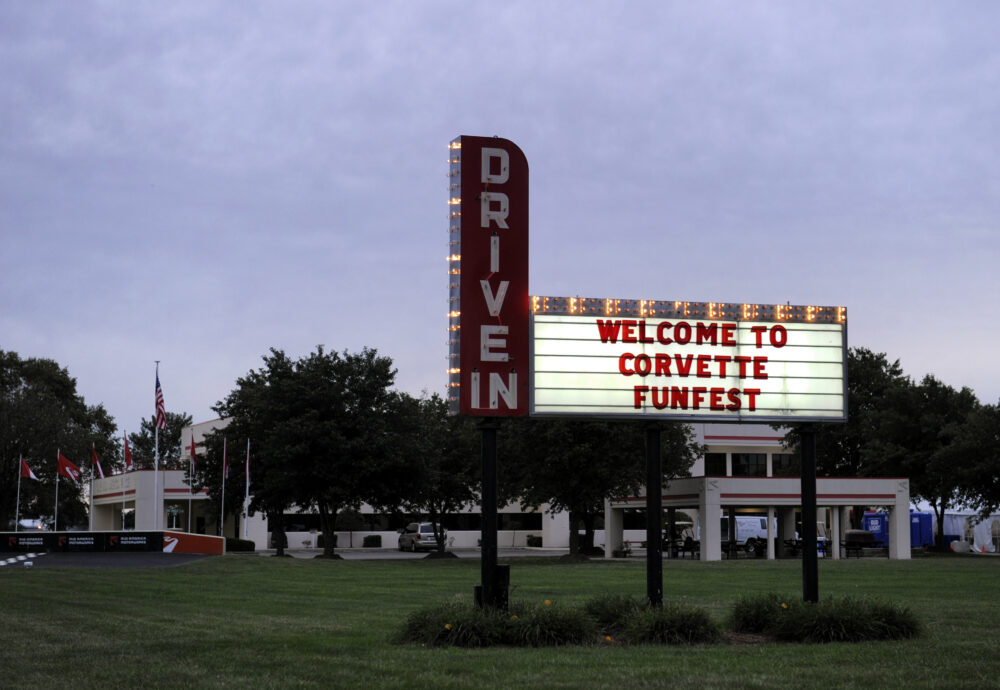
748	530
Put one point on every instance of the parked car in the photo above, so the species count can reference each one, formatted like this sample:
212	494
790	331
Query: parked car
418	536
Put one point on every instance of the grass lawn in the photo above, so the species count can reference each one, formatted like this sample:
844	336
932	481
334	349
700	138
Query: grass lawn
238	621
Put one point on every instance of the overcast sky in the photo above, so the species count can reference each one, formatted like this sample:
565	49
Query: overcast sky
197	182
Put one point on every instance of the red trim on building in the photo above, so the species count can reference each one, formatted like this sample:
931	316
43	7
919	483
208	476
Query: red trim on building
115	494
744	438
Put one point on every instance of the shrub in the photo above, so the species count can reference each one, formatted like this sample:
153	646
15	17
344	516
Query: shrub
373	541
757	613
612	611
461	624
672	624
548	625
533	540
847	619
455	624
234	544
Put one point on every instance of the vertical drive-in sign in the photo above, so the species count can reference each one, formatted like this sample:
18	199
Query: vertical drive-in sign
489	309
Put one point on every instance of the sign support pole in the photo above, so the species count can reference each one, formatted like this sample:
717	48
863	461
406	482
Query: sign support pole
810	565
654	518
490	595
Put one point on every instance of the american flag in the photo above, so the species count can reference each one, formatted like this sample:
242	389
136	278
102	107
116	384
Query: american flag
128	456
225	461
161	410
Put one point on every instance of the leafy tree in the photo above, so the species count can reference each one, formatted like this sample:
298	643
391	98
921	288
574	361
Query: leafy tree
979	464
441	455
42	414
917	434
143	443
320	431
575	465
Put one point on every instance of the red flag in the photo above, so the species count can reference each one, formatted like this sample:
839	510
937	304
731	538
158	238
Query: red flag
194	456
26	471
128	456
68	469
161	410
98	470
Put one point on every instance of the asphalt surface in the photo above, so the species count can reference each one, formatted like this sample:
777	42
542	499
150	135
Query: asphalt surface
156	559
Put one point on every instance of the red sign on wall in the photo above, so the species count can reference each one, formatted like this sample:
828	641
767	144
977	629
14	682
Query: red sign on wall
489	318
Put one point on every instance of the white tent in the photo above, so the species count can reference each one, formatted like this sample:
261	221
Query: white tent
982	535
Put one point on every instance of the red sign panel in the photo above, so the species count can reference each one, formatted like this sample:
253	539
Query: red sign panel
490	309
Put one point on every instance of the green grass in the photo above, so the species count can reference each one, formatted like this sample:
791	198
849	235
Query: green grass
240	621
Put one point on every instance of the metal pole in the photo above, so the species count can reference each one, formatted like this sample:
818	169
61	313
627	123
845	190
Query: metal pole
17	509
810	565
488	508
654	517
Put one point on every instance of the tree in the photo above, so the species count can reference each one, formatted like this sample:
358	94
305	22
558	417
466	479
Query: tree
917	434
441	455
978	444
143	443
42	414
574	465
320	430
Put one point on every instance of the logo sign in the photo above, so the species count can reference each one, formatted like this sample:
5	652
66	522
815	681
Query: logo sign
489	312
703	361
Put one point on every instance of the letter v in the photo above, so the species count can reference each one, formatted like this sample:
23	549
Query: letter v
494	302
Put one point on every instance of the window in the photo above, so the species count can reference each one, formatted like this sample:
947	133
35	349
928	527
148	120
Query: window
749	464
715	464
785	465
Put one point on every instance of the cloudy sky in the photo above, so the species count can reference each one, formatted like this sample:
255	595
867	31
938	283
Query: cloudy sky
197	182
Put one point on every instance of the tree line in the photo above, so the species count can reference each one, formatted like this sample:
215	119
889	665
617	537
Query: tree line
328	432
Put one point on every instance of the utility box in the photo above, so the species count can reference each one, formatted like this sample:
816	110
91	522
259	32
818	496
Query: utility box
878	525
921	530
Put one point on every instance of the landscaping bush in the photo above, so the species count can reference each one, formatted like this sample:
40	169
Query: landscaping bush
456	624
533	540
846	619
612	611
548	625
373	541
758	613
462	624
234	544
672	624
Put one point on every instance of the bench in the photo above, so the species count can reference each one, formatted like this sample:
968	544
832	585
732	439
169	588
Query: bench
857	540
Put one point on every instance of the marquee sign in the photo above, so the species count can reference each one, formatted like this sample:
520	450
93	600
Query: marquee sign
488	316
511	354
702	361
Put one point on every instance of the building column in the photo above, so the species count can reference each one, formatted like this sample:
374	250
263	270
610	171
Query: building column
614	533
710	507
835	539
770	531
899	522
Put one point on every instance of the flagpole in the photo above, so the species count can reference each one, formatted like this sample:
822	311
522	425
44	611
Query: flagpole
91	511
55	526
222	510
156	460
246	495
17	509
124	472
190	479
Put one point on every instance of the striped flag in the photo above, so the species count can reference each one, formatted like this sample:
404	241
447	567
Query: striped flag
128	456
26	471
68	469
98	470
161	410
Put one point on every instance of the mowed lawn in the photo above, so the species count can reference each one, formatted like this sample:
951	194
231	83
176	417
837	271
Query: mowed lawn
238	621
